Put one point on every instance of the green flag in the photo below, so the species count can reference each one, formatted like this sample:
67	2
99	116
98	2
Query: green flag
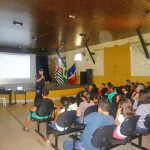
65	72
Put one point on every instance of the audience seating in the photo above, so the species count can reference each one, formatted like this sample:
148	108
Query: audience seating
44	111
90	109
114	107
65	120
103	136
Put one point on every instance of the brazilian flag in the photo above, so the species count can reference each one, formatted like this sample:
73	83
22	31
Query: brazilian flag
65	72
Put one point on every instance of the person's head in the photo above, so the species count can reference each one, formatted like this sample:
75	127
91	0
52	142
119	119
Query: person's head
85	96
127	109
94	86
65	103
95	98
120	97
111	88
139	88
109	84
72	100
41	71
124	89
144	97
104	106
45	93
132	87
127	81
86	88
103	85
148	84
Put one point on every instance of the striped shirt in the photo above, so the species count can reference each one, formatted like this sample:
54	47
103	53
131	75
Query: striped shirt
143	110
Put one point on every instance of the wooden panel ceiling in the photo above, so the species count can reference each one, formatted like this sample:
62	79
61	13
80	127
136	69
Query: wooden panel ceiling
49	22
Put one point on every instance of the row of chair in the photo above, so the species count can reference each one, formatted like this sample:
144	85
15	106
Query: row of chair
102	138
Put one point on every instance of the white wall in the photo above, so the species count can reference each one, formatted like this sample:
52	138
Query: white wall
140	65
86	63
98	68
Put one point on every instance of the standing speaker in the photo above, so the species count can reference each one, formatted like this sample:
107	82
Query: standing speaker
83	78
89	73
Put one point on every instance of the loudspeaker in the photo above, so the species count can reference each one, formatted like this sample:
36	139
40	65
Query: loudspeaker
83	78
89	73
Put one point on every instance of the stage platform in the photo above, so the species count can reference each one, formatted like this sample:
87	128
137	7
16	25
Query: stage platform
56	91
31	86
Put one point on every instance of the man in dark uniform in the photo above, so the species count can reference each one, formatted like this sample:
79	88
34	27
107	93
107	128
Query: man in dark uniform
40	83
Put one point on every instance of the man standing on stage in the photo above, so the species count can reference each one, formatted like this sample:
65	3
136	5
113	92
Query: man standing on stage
40	83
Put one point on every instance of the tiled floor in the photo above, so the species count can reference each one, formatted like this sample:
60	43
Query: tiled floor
12	137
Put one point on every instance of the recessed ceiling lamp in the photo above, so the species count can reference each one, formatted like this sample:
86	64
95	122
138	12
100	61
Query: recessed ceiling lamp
147	12
18	23
43	49
72	16
34	38
62	42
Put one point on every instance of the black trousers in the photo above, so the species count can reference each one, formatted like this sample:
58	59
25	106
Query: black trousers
38	95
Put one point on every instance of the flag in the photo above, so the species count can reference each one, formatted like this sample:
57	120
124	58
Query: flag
72	75
65	73
58	75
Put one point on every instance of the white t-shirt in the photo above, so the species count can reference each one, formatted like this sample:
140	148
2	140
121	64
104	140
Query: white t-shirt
120	119
73	106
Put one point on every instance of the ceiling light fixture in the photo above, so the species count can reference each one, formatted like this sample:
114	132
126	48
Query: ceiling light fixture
18	23
34	38
147	12
72	16
62	42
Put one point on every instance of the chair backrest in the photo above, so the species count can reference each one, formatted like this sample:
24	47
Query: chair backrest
114	98
90	109
102	136
129	125
44	110
66	119
147	121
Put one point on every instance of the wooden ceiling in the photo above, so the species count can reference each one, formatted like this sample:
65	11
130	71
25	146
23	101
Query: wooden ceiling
47	22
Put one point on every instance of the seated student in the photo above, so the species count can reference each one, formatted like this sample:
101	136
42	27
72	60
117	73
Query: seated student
143	110
109	84
148	85
103	89
132	88
96	99
78	96
34	109
94	89
72	103
112	93
124	90
124	112
114	106
136	97
128	85
86	102
93	121
53	124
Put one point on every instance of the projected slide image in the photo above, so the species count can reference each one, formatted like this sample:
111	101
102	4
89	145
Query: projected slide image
14	66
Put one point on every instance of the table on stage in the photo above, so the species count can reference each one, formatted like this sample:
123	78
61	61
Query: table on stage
20	92
9	93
